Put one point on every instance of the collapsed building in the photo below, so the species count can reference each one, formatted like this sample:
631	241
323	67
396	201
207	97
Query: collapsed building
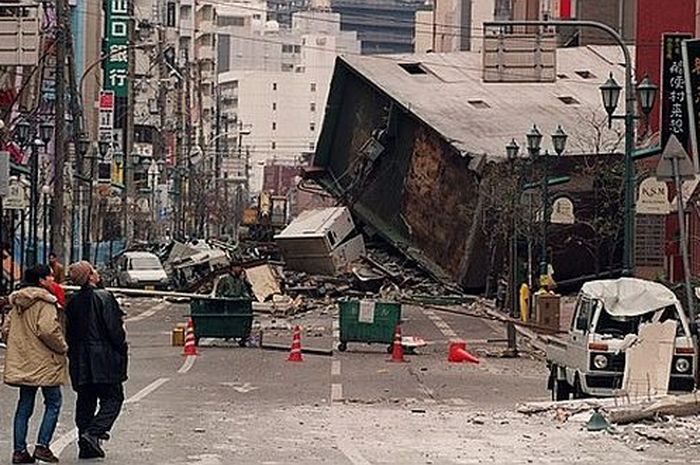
415	144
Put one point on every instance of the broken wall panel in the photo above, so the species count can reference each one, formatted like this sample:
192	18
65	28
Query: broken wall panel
438	200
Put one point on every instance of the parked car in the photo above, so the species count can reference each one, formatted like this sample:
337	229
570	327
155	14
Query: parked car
591	361
141	270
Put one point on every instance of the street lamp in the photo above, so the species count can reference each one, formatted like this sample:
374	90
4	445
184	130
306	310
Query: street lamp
534	141
512	149
29	133
646	93
646	90
46	191
610	91
611	94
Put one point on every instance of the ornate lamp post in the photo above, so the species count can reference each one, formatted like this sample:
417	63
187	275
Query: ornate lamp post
28	134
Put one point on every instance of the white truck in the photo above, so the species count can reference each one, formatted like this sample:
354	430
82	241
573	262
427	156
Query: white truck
591	360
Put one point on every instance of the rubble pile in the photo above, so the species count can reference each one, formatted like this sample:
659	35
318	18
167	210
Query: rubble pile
637	423
381	274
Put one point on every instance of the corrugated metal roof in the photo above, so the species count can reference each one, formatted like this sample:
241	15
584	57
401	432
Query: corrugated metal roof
500	111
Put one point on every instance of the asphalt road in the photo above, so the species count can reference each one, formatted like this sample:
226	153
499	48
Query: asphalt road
232	405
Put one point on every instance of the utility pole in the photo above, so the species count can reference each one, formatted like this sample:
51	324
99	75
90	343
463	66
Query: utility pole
217	155
186	163
129	190
162	104
57	231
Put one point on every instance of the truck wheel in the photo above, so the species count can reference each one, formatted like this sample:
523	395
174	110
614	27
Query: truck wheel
560	388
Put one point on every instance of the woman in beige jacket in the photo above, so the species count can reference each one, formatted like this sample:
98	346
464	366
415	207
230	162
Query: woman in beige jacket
35	358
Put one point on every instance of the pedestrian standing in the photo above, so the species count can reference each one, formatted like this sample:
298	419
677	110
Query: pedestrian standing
97	354
59	273
35	358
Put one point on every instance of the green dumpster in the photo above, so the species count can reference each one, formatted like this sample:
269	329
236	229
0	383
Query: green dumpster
368	322
222	318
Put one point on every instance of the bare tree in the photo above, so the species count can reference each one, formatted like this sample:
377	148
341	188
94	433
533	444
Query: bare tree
593	136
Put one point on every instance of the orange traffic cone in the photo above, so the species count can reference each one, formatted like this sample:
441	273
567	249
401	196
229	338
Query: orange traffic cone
397	349
295	353
458	353
190	346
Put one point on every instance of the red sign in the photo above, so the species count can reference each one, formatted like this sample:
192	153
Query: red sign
565	9
106	100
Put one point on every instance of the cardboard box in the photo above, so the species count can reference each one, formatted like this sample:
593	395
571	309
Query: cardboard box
177	336
547	308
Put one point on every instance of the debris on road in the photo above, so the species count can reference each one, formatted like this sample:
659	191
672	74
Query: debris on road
321	241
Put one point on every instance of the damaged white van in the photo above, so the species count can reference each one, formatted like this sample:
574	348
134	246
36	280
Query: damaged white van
591	360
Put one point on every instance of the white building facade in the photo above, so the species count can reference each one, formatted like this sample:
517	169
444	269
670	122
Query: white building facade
275	86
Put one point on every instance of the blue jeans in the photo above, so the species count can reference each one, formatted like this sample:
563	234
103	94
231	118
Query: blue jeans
25	408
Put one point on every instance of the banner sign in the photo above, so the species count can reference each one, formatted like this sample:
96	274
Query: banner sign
691	61
114	45
674	111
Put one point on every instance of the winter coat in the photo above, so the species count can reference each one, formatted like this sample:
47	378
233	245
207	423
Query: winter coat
36	345
97	348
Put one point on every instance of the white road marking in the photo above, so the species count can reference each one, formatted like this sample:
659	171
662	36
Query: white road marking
336	392
441	324
244	388
189	363
347	448
147	390
61	443
147	313
335	368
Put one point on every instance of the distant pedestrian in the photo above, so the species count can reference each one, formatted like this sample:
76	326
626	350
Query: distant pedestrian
35	358
59	274
97	351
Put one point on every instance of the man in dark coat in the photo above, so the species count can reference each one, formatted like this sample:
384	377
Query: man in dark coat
97	352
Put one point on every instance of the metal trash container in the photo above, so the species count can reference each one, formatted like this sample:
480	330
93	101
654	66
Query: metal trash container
222	318
368	321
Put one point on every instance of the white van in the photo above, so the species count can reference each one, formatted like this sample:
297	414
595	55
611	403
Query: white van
591	361
141	270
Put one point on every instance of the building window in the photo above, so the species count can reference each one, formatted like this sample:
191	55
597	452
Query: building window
274	125
312	126
297	49
185	12
274	86
170	16
274	145
287	48
313	87
312	107
274	106
312	146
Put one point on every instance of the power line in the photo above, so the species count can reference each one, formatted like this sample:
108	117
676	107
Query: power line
194	29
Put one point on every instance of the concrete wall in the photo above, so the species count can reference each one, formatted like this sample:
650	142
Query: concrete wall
424	31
